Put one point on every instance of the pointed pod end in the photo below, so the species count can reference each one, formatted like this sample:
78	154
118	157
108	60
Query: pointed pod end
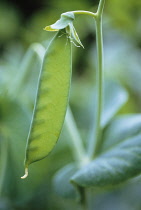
49	28
26	174
82	46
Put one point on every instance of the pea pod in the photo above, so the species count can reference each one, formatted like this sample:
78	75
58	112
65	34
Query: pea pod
51	101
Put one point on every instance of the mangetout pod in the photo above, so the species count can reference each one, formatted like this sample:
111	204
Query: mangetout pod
51	101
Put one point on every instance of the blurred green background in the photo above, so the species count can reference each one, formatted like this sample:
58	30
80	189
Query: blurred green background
22	45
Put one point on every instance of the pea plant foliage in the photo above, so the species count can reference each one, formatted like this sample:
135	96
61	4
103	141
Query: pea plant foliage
112	154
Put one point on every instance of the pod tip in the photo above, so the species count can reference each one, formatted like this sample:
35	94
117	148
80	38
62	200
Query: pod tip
49	28
26	174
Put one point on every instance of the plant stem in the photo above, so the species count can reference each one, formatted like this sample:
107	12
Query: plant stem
99	12
17	84
76	141
82	12
4	145
96	142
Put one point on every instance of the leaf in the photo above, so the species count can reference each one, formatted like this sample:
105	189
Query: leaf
117	164
62	184
14	124
14	118
121	128
115	96
62	23
20	83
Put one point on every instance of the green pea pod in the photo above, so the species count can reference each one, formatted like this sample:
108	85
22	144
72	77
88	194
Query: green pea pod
52	100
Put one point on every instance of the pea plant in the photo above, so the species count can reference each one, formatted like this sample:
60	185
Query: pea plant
112	153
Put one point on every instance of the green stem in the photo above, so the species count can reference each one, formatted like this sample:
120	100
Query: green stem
94	15
95	143
100	8
76	141
82	12
4	152
17	84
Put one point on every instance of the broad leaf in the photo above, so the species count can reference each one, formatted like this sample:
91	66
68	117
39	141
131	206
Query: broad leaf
62	184
115	96
119	163
14	125
121	128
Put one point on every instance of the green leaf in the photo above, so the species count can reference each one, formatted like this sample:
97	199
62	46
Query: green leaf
14	118
14	125
118	163
121	128
62	23
115	96
62	184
